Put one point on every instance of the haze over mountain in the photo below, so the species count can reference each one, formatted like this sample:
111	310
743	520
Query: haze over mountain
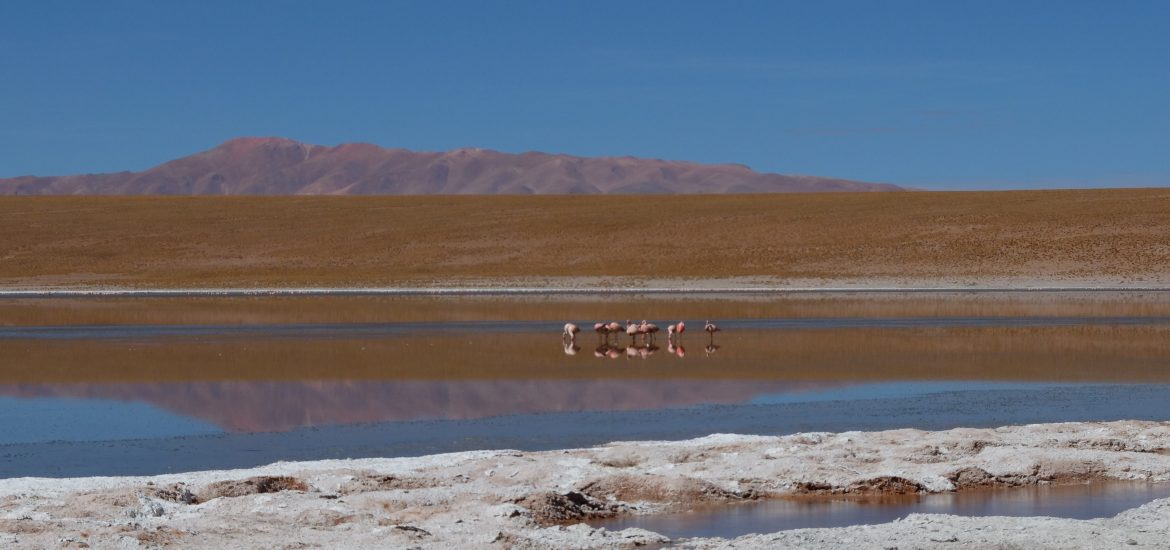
276	166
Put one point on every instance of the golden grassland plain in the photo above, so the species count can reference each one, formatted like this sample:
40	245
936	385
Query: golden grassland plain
1120	235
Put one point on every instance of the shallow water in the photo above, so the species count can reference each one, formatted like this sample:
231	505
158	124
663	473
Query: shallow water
142	386
1081	501
353	330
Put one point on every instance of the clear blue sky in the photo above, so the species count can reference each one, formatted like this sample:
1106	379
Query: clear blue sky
938	94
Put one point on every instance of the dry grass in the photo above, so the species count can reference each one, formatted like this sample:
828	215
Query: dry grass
340	241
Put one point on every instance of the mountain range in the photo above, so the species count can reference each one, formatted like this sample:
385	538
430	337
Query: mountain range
277	166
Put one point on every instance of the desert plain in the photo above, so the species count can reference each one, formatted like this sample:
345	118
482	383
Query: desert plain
1116	237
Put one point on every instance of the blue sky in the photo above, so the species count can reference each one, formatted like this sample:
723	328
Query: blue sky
936	94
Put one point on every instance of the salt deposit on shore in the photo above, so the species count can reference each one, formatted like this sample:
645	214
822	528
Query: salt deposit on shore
496	499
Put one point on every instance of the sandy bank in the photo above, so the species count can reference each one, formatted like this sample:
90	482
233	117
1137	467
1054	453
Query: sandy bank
607	285
680	289
513	499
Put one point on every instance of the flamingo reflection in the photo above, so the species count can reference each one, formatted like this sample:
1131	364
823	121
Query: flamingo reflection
607	351
641	352
629	352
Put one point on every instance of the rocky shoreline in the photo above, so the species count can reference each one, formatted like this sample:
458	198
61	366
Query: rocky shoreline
499	499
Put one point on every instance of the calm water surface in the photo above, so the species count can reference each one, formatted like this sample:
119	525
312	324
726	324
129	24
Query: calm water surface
148	386
1083	501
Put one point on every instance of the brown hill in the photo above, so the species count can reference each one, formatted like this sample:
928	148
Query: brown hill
274	166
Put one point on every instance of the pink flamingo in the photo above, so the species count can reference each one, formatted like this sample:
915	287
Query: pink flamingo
614	327
602	330
633	331
675	331
570	333
648	329
711	328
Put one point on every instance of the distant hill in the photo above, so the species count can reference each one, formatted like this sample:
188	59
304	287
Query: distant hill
275	166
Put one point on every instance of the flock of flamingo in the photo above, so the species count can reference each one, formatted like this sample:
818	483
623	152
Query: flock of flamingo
644	330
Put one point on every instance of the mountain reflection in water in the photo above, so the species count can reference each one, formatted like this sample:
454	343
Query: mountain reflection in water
278	406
